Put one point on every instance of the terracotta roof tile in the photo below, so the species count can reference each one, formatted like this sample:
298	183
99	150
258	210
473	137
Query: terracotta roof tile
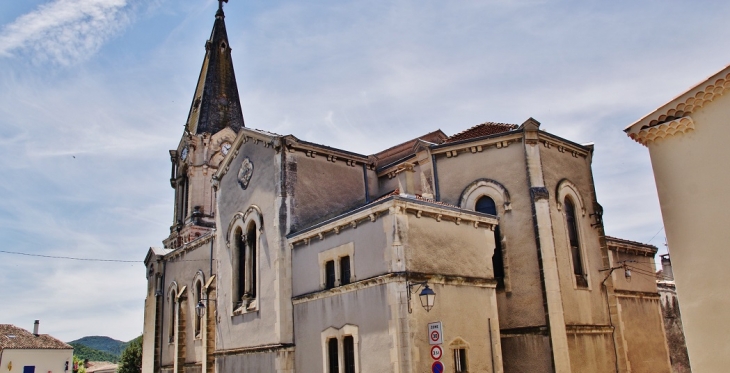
484	129
405	149
414	196
12	337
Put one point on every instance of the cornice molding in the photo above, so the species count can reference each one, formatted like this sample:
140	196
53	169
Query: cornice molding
666	129
391	277
331	154
200	241
685	104
396	205
550	142
498	141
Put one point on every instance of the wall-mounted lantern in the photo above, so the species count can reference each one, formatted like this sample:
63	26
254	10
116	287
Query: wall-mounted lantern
426	296
200	308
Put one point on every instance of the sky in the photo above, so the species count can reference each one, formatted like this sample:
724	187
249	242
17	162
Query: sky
93	94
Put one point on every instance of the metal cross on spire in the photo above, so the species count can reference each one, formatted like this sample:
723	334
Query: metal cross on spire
220	4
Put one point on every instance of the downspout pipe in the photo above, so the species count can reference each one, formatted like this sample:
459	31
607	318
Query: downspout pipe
367	187
435	178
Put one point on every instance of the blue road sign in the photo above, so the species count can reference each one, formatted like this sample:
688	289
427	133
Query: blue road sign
437	367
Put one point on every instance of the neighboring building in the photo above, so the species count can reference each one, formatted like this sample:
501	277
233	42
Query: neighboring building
100	367
672	318
310	258
687	141
24	352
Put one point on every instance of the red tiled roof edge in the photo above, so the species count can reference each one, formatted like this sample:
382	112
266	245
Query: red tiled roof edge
484	129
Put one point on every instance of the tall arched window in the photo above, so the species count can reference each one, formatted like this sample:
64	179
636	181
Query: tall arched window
250	271
172	301
574	242
240	266
486	205
198	298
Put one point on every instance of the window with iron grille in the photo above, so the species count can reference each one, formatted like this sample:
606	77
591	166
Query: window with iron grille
460	360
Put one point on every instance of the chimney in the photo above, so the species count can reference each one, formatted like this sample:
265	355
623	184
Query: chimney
35	327
667	268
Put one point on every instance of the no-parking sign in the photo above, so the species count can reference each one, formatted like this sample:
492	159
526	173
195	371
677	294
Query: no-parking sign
437	367
435	333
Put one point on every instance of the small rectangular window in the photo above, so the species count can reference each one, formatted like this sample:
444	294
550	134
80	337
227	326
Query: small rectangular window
333	356
344	270
329	270
348	346
460	360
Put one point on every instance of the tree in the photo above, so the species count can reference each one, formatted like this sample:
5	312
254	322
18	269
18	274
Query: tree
78	366
131	360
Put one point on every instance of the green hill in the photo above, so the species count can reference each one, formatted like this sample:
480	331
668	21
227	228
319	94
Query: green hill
103	344
85	352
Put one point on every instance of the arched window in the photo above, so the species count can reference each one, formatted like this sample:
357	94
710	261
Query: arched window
486	205
240	266
172	301
198	298
245	232
574	242
250	262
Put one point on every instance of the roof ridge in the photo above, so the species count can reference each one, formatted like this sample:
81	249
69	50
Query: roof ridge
503	127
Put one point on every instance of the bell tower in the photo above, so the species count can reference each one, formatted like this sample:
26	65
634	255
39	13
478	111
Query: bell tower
214	119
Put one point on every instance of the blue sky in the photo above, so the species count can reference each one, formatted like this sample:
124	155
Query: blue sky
94	92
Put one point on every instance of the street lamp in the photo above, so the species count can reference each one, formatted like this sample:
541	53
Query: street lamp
427	295
200	308
621	265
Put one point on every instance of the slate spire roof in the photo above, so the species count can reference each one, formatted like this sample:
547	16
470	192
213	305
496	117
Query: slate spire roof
216	104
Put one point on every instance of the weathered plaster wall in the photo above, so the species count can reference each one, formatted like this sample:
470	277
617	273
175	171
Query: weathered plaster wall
367	308
271	323
447	248
517	347
692	185
322	189
673	328
369	240
581	305
264	361
643	321
182	269
524	305
466	313
592	352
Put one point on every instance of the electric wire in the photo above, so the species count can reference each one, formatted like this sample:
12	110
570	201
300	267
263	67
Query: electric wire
655	234
94	259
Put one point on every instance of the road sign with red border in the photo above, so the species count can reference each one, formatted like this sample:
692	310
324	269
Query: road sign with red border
437	367
436	352
435	333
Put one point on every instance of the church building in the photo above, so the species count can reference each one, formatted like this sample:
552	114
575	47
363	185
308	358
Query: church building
482	251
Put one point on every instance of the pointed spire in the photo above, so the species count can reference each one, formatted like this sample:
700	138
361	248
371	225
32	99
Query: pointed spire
216	104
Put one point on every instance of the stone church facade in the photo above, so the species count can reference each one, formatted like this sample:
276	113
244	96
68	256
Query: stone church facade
290	256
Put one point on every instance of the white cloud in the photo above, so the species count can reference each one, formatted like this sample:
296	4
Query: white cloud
65	31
